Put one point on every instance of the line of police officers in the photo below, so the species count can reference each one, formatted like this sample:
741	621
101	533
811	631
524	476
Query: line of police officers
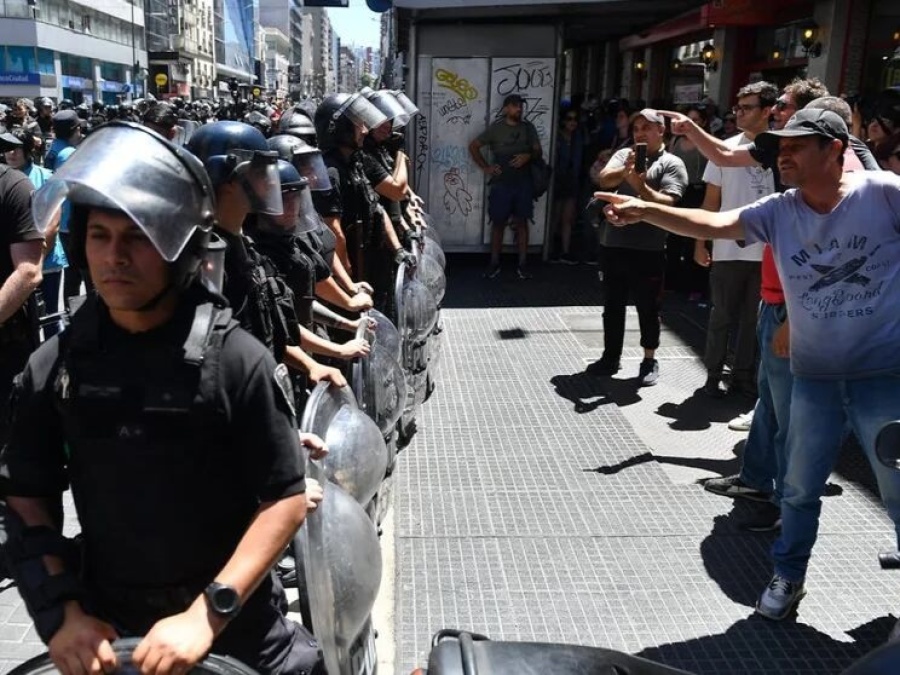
173	427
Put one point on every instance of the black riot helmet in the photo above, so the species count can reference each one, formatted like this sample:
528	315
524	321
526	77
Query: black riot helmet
43	102
305	158
298	122
258	120
299	215
236	151
386	101
163	189
338	117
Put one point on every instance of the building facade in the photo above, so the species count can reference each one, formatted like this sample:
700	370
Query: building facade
67	50
278	59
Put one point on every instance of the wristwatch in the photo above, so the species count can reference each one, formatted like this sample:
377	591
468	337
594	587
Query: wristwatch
223	599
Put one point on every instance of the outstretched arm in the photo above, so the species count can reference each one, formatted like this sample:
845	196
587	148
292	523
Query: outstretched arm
714	149
696	223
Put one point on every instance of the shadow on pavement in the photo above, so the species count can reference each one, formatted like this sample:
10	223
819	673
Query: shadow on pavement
699	411
758	646
721	467
588	393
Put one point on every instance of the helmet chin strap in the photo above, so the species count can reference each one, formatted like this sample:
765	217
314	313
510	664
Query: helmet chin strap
153	302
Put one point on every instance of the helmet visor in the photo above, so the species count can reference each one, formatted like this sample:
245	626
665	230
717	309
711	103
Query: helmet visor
387	103
312	167
307	218
411	108
362	113
259	178
154	188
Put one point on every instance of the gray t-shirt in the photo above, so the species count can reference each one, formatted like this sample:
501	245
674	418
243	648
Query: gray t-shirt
505	141
666	173
841	276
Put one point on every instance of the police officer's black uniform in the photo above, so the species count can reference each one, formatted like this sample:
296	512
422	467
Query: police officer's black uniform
170	440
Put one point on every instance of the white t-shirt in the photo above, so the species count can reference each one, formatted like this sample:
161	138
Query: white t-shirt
740	186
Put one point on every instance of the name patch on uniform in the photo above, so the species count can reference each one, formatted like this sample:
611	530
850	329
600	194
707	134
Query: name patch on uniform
283	384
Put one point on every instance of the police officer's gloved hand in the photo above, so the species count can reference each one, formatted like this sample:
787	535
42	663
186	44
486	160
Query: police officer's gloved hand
401	255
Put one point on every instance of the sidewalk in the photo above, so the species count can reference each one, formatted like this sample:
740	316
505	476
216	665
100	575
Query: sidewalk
537	503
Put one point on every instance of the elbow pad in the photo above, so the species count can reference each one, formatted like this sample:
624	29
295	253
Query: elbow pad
45	595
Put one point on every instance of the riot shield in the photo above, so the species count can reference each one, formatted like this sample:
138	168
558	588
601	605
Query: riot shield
357	456
386	335
416	318
433	248
338	551
380	386
430	272
123	649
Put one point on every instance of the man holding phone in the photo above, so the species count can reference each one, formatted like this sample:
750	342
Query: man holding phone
634	259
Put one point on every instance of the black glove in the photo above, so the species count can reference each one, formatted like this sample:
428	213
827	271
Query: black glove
401	255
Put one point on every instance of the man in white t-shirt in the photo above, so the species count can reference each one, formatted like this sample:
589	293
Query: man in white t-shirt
734	279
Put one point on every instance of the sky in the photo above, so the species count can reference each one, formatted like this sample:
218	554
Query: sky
356	24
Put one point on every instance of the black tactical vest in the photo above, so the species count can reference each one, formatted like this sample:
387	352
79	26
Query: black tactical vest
295	268
262	302
144	424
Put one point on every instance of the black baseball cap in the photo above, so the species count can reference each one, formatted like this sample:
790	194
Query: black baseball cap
65	122
806	122
513	98
9	142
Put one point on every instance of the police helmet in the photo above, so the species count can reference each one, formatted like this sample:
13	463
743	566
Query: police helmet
162	188
297	122
339	114
305	158
236	151
299	216
66	104
43	102
388	104
258	120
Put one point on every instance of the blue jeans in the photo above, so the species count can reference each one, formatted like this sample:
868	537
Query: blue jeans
765	460
819	410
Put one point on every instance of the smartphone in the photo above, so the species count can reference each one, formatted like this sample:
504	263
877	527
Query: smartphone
640	157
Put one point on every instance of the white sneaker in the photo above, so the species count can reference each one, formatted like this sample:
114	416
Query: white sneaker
741	422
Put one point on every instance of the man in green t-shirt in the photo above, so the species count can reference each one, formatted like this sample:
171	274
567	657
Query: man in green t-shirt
513	142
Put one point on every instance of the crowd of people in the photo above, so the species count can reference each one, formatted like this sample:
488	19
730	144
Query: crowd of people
804	220
170	402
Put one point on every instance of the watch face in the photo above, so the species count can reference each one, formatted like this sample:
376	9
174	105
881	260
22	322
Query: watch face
224	600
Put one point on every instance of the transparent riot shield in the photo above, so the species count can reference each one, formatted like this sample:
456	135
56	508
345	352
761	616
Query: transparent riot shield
385	334
357	457
430	272
416	318
380	386
433	248
338	551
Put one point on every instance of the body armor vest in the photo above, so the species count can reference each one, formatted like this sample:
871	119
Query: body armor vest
143	417
262	302
295	268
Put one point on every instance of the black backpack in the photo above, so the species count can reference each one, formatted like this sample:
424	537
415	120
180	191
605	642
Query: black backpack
541	176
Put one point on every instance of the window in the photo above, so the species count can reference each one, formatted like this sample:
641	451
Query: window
20	60
46	66
86	23
18	9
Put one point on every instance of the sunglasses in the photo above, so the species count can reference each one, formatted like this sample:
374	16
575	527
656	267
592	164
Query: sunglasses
781	104
571	118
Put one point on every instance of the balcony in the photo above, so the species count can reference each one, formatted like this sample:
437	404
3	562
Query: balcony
183	43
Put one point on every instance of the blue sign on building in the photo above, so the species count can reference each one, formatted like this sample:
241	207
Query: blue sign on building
73	82
112	85
19	78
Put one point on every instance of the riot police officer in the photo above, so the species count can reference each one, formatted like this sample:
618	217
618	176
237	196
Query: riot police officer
353	213
278	238
338	288
245	175
298	123
172	425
